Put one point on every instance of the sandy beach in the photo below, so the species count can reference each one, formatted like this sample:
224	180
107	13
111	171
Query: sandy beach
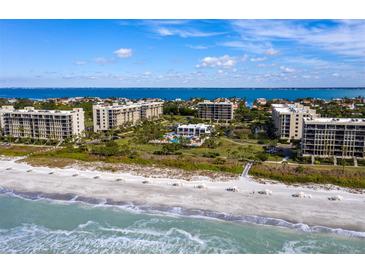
211	200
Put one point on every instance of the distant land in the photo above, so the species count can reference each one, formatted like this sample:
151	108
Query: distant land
250	94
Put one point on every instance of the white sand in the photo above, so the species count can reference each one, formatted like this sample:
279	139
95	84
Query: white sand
348	213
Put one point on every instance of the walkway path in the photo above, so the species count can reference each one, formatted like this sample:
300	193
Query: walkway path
246	169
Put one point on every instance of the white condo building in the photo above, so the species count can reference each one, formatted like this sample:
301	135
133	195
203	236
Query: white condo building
191	130
41	124
288	119
106	117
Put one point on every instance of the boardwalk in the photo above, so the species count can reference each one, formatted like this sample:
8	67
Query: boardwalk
246	169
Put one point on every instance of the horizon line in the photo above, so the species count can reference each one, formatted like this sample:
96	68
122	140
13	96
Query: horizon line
344	87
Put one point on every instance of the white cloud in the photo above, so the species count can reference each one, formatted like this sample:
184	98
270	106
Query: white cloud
224	61
271	51
164	32
335	74
343	37
258	59
164	22
177	28
103	60
184	33
316	62
199	47
261	65
123	52
287	69
80	62
248	46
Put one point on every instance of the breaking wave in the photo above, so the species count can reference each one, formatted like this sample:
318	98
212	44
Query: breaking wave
181	212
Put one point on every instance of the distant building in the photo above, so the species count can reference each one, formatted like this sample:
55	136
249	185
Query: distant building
333	137
288	119
106	117
41	124
216	111
193	130
261	101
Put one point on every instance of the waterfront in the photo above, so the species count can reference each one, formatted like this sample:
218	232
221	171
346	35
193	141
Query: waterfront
183	93
55	211
45	226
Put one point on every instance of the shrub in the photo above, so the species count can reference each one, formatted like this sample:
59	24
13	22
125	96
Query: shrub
219	161
169	149
211	143
210	154
111	148
262	156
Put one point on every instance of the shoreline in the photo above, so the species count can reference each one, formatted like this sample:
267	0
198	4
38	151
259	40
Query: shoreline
182	212
159	193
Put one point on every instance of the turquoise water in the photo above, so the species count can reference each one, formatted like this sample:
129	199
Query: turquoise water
43	226
184	93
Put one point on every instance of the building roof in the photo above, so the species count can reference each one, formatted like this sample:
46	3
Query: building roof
36	111
195	126
289	108
345	121
130	105
215	103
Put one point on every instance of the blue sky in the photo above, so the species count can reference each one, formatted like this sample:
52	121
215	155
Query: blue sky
182	53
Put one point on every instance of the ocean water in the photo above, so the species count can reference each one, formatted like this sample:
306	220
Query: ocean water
183	93
46	226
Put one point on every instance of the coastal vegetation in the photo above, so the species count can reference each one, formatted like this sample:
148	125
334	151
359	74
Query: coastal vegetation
19	150
291	173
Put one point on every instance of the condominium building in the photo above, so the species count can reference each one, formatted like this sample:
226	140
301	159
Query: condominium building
288	119
218	111
193	130
333	137
106	117
41	124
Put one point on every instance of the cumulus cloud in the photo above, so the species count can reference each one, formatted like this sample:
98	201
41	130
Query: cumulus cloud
287	69
224	61
123	52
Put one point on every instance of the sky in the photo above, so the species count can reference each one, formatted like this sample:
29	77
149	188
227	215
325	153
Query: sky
182	53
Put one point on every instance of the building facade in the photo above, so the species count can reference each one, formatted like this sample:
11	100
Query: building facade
333	137
288	119
106	117
191	130
41	124
216	111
